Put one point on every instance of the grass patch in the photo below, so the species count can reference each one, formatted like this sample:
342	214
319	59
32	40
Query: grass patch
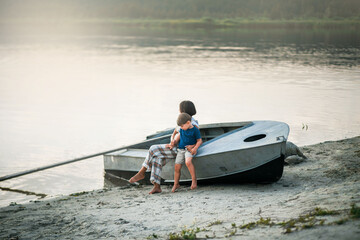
307	221
312	219
63	199
308	225
250	225
186	233
354	211
232	233
323	212
78	194
261	221
341	221
153	236
217	222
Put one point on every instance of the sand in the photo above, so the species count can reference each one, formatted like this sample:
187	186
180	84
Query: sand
326	183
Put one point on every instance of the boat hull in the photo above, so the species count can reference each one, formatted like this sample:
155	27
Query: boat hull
261	164
252	153
267	173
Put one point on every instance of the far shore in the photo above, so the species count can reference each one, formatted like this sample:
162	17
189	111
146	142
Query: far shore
317	198
201	23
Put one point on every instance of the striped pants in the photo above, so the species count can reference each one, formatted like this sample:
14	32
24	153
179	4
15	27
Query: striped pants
156	159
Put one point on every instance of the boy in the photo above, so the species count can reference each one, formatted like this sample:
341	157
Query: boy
190	141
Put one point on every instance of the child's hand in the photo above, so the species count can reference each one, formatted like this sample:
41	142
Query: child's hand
169	146
193	151
190	147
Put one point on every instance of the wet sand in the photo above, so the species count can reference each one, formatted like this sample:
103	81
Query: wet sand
312	200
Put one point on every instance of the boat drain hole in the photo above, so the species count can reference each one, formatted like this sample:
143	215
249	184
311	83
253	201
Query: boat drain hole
255	138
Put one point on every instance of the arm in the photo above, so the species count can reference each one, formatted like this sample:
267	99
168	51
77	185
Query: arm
174	140
173	134
177	139
197	145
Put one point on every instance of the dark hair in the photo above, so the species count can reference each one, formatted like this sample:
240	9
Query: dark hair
183	118
187	107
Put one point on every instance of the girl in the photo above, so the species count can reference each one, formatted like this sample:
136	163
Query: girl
159	154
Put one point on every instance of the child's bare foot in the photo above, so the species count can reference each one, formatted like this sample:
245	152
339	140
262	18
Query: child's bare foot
156	189
193	185
175	187
137	177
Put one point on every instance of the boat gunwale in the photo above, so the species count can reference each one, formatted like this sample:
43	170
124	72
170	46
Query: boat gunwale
216	138
203	127
218	153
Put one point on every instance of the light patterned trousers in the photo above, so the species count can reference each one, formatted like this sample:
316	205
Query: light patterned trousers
156	159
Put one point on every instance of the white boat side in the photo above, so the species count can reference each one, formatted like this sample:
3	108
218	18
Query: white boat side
255	144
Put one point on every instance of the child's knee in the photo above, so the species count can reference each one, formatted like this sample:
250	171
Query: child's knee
178	167
188	162
152	148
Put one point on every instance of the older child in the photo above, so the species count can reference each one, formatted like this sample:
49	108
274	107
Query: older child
159	154
189	136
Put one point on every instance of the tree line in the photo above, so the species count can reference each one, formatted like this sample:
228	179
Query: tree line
181	9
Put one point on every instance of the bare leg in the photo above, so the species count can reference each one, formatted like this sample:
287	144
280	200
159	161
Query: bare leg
140	175
191	168
156	189
176	177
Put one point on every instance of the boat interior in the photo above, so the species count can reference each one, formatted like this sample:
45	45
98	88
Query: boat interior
208	132
211	131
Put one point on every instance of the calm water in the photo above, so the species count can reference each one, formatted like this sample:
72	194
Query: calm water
65	97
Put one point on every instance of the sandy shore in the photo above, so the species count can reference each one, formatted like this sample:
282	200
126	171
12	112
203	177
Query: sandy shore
312	200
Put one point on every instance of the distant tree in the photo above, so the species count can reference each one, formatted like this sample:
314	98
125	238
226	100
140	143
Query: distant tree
164	9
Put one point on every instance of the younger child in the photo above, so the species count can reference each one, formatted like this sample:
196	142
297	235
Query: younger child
188	107
189	136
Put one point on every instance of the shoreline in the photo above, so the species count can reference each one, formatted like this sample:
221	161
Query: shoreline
188	24
313	199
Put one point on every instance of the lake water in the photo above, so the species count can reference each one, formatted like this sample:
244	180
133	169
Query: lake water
63	97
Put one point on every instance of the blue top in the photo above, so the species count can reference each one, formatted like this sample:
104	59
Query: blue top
188	137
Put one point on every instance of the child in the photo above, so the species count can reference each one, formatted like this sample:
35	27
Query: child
189	108
160	153
189	136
